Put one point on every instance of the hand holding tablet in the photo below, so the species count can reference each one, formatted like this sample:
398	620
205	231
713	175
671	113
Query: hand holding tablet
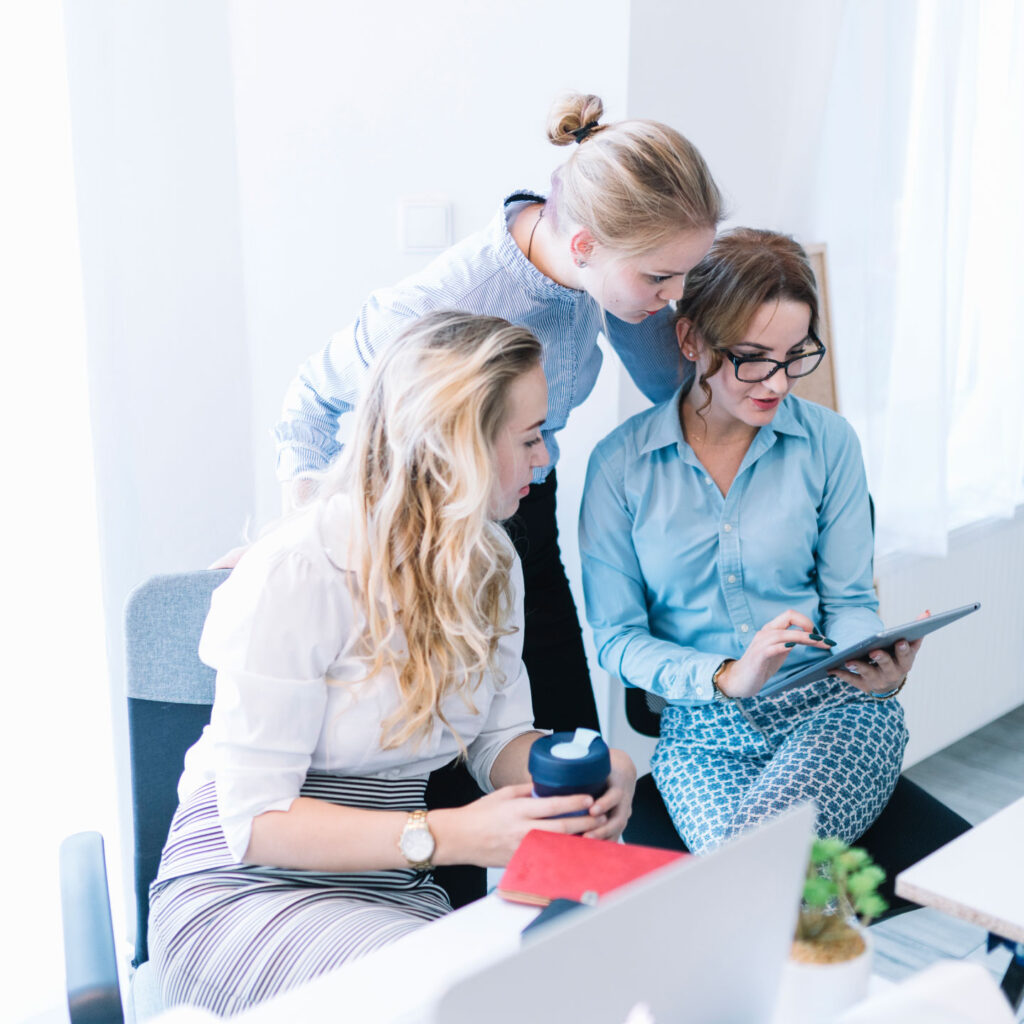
886	642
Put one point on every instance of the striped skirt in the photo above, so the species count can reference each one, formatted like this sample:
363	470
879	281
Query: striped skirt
224	936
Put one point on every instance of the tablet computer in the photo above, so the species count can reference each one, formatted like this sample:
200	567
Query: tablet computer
879	641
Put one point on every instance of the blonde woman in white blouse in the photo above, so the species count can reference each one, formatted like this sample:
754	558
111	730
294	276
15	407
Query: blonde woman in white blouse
362	643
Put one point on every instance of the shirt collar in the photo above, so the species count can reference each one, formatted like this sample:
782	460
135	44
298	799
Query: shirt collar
663	427
517	267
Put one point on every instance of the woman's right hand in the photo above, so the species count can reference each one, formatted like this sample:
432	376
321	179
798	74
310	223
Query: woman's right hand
488	831
767	651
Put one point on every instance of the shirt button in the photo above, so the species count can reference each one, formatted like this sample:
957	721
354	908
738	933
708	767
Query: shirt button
707	480
744	628
731	578
699	691
727	528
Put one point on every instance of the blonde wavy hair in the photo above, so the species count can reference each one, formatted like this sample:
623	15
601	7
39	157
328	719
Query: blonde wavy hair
420	472
633	184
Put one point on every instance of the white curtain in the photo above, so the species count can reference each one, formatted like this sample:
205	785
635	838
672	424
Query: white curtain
57	758
920	186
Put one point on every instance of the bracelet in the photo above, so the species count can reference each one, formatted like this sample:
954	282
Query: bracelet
891	693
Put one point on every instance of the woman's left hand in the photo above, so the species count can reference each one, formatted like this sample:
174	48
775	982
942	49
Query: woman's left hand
617	799
882	671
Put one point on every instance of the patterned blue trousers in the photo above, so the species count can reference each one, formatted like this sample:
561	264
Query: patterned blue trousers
724	766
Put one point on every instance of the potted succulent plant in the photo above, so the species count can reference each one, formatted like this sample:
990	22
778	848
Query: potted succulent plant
830	960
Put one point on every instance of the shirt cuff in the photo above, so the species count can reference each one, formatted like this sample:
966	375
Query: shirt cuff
692	679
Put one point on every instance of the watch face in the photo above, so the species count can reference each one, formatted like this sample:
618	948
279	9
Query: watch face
417	845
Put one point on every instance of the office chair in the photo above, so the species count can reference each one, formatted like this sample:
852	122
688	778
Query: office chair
169	692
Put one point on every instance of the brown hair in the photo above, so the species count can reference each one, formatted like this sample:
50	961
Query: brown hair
632	184
743	269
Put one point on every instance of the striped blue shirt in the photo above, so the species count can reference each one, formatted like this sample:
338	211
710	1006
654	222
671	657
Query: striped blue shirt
489	275
678	577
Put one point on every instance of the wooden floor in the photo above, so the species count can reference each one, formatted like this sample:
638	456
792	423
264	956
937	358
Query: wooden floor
976	777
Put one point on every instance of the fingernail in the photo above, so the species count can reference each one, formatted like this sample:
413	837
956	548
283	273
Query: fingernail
792	643
852	668
902	646
816	636
831	643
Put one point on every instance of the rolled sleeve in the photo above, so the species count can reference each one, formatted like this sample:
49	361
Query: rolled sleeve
263	732
273	630
511	711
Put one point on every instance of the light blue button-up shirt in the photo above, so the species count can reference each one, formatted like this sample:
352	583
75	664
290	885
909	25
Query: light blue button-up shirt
487	274
678	577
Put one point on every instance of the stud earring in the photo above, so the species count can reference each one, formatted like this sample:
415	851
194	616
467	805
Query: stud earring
691	356
580	261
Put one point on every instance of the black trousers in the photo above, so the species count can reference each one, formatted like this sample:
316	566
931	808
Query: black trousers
552	652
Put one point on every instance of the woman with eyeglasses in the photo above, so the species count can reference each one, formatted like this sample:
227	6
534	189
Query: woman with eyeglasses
726	539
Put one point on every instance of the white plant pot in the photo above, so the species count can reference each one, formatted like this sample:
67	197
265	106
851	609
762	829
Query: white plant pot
818	993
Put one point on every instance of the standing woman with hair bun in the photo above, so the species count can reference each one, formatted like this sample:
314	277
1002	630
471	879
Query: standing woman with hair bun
631	210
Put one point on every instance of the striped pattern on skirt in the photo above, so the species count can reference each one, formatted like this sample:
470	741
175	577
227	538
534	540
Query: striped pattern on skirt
224	936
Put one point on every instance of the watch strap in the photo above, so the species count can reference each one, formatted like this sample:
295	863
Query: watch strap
417	822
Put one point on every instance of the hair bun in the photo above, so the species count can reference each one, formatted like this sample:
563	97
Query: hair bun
573	118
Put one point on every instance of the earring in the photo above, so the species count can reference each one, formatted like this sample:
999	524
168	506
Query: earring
692	356
580	261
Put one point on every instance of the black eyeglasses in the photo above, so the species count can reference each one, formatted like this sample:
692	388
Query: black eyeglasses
752	369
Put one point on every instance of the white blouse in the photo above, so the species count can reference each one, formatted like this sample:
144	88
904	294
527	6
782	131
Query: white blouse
290	697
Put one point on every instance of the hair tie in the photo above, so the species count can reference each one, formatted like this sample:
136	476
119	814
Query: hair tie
584	133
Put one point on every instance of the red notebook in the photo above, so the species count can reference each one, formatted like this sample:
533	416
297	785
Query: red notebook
549	866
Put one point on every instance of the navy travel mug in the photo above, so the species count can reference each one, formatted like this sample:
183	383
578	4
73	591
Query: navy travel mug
566	763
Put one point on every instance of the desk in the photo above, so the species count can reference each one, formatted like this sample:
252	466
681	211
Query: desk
978	877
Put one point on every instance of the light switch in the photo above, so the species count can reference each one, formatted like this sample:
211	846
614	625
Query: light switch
424	225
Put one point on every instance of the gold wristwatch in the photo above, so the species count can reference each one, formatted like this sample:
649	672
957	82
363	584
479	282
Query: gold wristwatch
416	843
721	694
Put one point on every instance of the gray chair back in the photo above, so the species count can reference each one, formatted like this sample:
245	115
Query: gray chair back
169	692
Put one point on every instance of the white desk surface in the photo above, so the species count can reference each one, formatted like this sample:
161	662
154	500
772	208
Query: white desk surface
978	877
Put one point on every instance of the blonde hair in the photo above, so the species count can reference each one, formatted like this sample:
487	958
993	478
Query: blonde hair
420	473
632	184
743	269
